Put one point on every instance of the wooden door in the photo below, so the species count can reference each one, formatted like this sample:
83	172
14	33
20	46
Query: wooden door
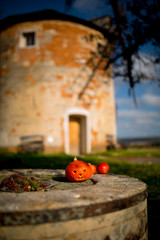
74	135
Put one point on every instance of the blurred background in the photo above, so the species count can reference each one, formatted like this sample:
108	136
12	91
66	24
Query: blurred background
140	120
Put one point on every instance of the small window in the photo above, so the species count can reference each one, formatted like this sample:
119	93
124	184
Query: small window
27	39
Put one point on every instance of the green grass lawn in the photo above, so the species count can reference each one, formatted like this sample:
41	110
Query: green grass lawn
132	152
148	173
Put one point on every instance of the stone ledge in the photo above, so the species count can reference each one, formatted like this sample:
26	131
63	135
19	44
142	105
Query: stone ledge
106	194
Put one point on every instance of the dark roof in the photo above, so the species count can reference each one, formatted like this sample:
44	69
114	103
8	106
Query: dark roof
44	15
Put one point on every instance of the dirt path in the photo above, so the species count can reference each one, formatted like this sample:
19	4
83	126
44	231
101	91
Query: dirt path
144	160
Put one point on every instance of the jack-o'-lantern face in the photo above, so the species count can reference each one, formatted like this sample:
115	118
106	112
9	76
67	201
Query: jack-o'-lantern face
78	171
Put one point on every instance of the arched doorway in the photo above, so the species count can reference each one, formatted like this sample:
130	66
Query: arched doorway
77	134
77	131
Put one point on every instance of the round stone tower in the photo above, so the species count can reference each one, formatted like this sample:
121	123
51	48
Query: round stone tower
52	94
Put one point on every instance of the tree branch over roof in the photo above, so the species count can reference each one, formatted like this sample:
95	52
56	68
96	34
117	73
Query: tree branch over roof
133	24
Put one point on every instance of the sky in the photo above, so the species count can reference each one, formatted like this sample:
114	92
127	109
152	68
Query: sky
132	121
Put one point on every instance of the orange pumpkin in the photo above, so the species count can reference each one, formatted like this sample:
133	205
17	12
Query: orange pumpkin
93	167
78	171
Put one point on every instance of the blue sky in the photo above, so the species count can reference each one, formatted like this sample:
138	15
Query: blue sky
141	121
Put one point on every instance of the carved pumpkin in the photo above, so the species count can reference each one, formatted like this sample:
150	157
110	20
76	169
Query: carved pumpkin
78	171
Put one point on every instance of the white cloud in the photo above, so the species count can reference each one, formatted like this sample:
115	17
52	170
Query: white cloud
145	121
138	114
145	65
152	100
96	7
135	123
138	129
147	95
127	102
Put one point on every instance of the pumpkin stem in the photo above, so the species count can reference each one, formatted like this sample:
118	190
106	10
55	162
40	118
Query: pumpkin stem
75	158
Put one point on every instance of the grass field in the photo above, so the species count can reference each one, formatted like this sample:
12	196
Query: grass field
148	173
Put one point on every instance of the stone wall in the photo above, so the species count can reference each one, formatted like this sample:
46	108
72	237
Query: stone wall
40	83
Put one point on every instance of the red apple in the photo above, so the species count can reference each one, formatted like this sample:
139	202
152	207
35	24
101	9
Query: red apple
102	168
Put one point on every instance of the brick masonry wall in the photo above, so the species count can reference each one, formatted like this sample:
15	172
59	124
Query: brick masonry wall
38	84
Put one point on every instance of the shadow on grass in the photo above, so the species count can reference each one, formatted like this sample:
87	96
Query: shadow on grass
35	161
